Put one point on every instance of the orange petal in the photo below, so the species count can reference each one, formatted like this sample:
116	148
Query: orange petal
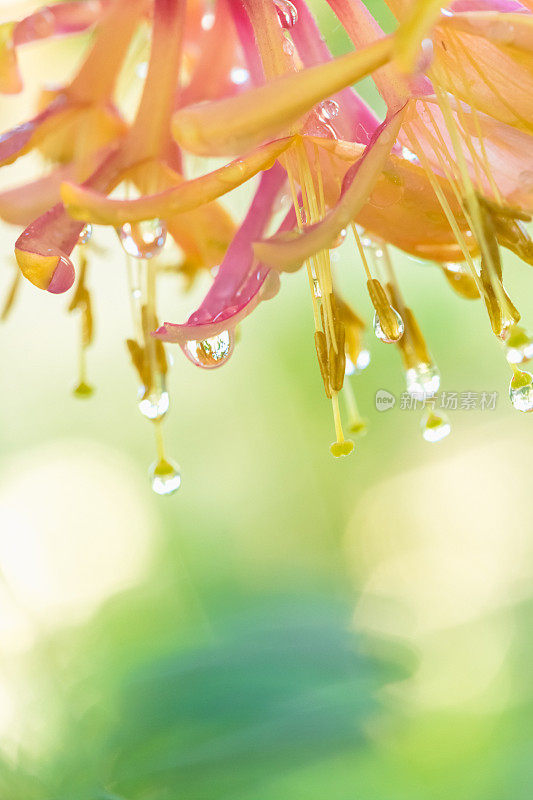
237	124
87	205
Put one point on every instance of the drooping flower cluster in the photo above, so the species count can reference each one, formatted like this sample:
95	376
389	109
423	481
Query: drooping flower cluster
447	176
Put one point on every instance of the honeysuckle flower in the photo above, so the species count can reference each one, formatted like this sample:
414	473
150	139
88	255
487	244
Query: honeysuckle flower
252	82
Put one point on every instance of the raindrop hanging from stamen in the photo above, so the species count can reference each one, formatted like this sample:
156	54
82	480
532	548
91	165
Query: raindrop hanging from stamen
521	390
165	477
211	352
422	381
154	404
143	239
380	333
435	427
518	346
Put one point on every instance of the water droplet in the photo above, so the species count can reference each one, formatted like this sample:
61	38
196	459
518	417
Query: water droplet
143	239
521	390
422	381
327	110
239	75
287	13
378	330
519	346
435	427
211	352
155	404
316	288
85	234
83	390
165	477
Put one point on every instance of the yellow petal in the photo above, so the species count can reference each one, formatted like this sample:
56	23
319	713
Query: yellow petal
89	206
237	124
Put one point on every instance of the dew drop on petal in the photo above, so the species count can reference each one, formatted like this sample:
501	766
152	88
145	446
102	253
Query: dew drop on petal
521	391
211	352
422	381
287	13
143	239
435	427
327	110
155	404
165	477
378	330
86	233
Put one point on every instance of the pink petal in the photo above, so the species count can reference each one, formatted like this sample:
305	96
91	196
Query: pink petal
241	280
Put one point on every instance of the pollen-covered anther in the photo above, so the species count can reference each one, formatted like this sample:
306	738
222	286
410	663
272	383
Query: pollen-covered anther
321	346
388	325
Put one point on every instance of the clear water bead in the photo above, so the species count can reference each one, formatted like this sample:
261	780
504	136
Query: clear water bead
143	239
155	405
327	110
212	352
86	233
380	333
518	346
422	381
165	477
287	13
521	391
435	427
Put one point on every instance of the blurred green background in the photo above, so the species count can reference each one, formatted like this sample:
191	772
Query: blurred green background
286	626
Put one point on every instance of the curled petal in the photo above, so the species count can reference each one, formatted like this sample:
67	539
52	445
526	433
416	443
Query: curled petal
289	252
241	282
240	123
87	205
41	250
